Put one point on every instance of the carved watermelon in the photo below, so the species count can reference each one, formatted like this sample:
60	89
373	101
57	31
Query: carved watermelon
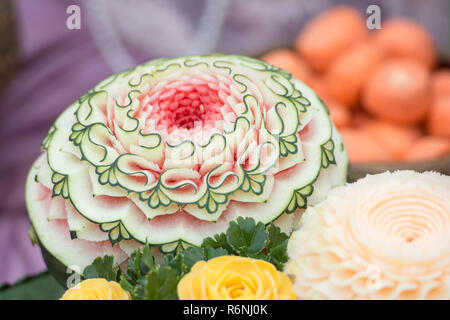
171	151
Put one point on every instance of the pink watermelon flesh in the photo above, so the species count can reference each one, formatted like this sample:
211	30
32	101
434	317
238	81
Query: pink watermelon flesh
59	228
82	251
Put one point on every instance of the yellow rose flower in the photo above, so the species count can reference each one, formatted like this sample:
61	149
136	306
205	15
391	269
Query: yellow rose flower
235	278
96	289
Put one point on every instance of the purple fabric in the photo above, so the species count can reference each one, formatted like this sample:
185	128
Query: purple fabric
57	66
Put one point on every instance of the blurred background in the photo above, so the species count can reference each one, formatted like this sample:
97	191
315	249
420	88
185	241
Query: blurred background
45	66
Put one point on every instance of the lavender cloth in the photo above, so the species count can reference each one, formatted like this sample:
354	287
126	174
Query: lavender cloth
58	65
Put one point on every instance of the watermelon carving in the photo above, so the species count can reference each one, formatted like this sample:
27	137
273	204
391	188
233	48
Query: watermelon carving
171	151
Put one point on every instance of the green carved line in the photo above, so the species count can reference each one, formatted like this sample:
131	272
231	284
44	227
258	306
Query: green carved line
288	145
86	102
155	198
299	198
190	63
211	201
262	66
174	247
165	68
222	64
86	96
78	132
60	185
253	183
107	175
141	79
129	99
328	157
291	95
48	138
241	82
116	231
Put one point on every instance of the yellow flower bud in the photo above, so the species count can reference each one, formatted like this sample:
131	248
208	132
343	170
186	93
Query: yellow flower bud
96	289
235	278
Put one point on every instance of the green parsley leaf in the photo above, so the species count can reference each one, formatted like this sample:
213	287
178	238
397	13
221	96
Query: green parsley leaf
102	268
194	254
134	280
162	283
147	257
277	246
176	262
218	241
210	253
246	237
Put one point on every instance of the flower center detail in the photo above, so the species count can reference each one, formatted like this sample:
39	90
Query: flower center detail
404	218
186	103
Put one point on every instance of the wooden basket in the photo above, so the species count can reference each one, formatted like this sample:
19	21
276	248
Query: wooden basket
360	170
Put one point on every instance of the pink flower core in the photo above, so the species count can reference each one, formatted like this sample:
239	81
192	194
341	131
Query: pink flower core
186	103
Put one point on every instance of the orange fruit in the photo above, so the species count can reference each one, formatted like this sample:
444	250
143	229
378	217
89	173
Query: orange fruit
289	61
438	121
360	119
440	82
347	74
428	148
339	114
328	34
398	90
397	139
362	147
317	83
402	37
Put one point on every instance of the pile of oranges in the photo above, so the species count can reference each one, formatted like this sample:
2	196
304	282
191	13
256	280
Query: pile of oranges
383	88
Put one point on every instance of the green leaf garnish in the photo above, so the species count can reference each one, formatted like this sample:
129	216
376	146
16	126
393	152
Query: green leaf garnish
246	237
147	279
134	280
218	241
162	283
194	254
277	247
102	268
210	253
